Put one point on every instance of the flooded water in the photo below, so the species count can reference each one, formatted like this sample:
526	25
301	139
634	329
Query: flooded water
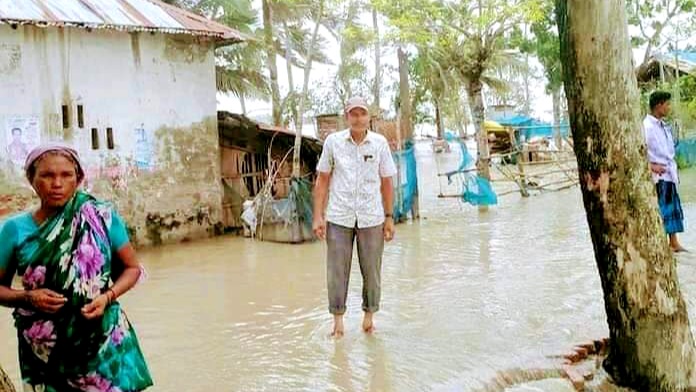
465	295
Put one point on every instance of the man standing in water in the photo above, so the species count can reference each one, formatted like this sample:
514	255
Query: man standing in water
661	153
355	174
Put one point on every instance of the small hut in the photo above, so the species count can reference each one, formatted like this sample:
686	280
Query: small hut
256	162
662	67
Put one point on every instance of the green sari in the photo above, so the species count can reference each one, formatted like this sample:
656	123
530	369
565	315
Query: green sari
65	352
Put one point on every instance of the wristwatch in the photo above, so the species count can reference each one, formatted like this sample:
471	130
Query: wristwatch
388	215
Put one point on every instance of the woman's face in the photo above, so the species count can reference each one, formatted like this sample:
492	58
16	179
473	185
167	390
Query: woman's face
55	180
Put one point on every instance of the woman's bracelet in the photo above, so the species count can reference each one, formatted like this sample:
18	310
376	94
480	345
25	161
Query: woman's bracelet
111	298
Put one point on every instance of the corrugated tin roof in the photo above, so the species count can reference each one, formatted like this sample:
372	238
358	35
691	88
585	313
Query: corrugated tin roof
122	15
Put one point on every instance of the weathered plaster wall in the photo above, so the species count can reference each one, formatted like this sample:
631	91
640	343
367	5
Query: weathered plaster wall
157	94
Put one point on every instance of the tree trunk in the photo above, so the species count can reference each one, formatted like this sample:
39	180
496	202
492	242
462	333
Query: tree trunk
475	91
242	103
376	88
5	383
651	346
288	69
527	95
271	61
556	97
438	121
346	92
305	87
404	97
345	52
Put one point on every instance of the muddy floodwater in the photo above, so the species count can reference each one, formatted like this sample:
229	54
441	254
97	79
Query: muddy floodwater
465	295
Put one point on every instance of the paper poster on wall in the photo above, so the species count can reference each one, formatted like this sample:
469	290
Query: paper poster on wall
143	149
22	135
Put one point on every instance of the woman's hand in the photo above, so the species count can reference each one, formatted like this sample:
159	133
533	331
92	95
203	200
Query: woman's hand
96	308
45	300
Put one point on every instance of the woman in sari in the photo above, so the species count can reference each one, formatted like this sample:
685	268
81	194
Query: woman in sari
74	259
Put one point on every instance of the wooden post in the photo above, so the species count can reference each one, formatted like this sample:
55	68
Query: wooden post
522	182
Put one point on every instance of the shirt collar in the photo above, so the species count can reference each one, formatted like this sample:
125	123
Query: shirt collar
655	119
368	137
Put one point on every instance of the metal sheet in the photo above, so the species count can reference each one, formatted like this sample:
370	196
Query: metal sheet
123	15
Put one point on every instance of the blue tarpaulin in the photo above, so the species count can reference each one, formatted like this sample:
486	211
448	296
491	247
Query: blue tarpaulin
528	127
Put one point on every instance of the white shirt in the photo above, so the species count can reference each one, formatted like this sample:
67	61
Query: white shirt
658	136
355	196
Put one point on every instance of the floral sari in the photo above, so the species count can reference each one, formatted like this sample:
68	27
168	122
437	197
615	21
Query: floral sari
65	352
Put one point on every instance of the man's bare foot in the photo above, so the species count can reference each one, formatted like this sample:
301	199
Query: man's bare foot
368	325
338	327
679	249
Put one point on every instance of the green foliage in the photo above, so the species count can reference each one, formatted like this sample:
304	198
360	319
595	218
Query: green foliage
655	20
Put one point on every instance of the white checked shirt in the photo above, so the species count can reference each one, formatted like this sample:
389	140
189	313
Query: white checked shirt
658	137
355	197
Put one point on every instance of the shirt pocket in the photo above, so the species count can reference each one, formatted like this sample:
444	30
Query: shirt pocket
369	164
369	173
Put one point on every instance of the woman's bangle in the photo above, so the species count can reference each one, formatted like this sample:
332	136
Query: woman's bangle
111	298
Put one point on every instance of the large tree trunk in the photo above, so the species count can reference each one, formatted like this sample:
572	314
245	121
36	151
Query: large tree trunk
404	97
474	90
299	116
556	98
5	383
271	61
376	88
651	345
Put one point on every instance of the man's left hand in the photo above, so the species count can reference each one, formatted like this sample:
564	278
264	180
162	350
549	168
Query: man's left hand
389	229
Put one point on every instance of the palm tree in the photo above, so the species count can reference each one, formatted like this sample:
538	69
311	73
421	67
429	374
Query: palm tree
480	28
238	69
242	75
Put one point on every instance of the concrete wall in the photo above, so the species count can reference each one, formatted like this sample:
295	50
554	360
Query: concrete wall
157	94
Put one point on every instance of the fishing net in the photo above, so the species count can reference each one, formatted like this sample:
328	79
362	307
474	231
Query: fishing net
476	190
407	188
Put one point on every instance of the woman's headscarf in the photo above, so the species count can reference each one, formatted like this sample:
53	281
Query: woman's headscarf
39	151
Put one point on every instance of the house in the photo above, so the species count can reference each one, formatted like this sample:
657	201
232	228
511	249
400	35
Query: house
131	84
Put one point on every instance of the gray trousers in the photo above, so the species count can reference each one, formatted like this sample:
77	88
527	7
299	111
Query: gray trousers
340	242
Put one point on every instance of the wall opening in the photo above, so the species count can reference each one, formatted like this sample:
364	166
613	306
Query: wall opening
80	116
95	139
65	112
253	169
110	138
